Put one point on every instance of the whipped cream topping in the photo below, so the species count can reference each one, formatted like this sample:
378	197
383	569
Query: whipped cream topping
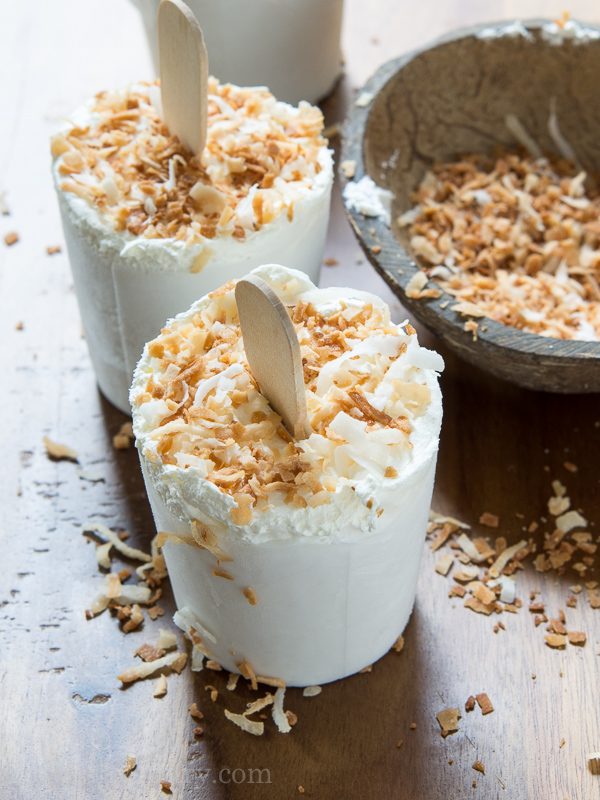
369	199
217	452
261	157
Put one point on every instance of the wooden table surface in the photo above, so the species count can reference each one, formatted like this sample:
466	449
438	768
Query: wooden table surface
66	725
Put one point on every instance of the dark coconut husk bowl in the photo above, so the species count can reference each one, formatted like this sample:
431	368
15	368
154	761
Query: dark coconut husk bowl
453	97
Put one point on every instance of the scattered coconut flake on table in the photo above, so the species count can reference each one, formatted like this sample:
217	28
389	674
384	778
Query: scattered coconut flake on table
468	547
123	438
572	519
484	703
491	520
4	207
279	715
312	691
441	518
174	660
444	563
232	681
93	476
368	199
130	766
160	687
59	452
102	530
248	725
448	720
166	639
504	557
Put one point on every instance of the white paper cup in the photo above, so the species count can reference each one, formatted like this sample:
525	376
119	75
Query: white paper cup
335	582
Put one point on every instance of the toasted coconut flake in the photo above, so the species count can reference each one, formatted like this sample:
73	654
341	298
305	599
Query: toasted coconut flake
448	719
250	596
248	725
99	605
572	519
166	639
558	505
506	556
470	704
484	703
197	660
130	766
441	519
195	712
481	592
135	620
160	687
187	621
467	573
211	664
478	767
247	671
491	520
213	693
59	452
398	645
144	670
444	564
577	638
176	538
443	536
222	573
206	538
556	640
232	681
279	716
469	548
258	705
119	544
481	608
93	476
312	691
113	588
147	652
102	555
278	682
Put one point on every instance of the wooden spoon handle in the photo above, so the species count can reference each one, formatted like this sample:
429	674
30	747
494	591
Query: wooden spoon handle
273	352
183	74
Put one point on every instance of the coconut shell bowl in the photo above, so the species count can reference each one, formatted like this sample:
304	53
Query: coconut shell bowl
508	85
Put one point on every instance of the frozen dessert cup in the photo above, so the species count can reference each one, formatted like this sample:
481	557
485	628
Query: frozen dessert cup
291	46
150	228
291	560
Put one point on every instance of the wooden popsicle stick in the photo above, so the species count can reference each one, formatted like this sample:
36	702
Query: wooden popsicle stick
273	352
183	74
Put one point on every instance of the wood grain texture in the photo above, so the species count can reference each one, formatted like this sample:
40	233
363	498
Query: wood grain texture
273	352
452	98
66	725
183	74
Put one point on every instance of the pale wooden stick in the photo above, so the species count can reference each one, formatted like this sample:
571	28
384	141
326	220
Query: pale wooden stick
273	352
183	74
